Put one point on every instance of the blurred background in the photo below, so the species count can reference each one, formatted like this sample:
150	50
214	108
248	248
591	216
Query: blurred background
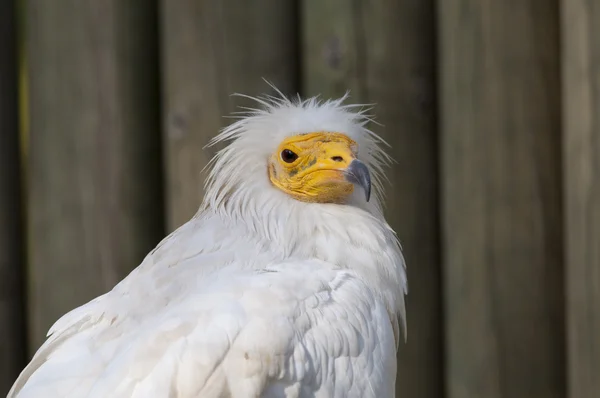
492	108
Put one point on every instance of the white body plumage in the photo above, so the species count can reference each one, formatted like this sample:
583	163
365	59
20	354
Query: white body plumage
258	295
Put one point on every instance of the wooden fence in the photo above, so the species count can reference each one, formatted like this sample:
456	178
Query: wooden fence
491	107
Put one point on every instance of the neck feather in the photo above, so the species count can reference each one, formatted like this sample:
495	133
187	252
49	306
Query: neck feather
354	237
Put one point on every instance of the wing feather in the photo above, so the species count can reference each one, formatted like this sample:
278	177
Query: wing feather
293	329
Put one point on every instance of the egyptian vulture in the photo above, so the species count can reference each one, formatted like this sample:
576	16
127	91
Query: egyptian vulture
288	282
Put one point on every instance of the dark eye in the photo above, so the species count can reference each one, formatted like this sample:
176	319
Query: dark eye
288	156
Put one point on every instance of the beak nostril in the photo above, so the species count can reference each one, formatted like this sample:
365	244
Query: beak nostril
337	158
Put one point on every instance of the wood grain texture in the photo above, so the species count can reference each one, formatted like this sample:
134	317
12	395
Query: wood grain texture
95	206
384	52
212	49
12	342
581	146
502	207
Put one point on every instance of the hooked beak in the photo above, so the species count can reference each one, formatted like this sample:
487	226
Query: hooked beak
358	174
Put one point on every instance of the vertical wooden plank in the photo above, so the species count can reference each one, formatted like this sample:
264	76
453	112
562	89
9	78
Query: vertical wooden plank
581	106
95	205
212	49
383	50
501	167
12	343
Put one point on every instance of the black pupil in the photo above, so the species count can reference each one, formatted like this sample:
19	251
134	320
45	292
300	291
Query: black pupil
288	156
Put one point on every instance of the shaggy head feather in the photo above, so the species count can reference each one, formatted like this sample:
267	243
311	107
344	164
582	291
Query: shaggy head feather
239	170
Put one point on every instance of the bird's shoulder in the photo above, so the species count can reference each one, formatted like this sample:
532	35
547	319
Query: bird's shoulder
296	326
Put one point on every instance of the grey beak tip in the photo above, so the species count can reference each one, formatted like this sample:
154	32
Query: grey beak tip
358	173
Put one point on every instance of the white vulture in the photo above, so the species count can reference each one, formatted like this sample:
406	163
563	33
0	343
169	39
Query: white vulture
288	282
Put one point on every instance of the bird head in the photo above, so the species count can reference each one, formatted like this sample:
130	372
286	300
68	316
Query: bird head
308	151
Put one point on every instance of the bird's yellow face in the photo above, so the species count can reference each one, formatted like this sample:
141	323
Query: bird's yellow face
318	167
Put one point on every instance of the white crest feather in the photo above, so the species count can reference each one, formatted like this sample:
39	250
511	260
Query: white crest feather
239	169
